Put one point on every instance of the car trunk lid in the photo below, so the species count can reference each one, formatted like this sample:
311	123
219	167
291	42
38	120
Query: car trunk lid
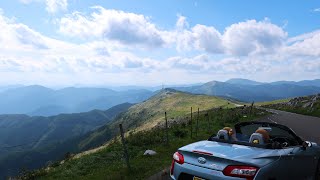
217	155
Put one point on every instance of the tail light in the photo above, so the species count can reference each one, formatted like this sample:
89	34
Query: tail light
247	172
178	158
172	167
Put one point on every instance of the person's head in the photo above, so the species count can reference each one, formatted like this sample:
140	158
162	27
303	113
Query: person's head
264	134
230	131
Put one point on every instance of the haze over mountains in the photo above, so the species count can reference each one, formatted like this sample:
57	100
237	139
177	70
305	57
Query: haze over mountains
38	100
240	81
41	101
247	90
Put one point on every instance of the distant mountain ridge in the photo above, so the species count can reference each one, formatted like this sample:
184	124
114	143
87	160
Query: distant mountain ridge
41	101
240	81
31	141
247	90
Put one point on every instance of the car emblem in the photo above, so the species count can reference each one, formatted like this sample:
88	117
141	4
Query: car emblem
202	160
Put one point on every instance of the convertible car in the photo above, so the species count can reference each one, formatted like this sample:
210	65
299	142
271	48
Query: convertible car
248	154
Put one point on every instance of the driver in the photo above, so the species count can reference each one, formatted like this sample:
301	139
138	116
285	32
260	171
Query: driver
265	135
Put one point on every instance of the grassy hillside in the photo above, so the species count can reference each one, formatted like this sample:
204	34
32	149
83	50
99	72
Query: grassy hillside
272	102
108	163
148	114
307	105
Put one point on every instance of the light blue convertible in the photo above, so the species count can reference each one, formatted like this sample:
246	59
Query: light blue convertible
249	155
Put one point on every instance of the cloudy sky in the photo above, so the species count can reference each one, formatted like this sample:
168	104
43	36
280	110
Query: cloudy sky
118	42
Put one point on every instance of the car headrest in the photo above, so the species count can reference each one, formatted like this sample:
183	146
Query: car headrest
223	134
256	138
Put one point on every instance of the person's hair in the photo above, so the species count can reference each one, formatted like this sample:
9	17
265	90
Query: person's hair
230	131
264	133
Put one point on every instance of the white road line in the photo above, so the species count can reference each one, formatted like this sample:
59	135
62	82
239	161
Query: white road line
272	120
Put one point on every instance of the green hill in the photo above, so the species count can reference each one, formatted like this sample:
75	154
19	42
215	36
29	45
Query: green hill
31	141
148	114
108	163
307	105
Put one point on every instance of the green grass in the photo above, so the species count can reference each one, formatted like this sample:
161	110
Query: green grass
109	164
298	106
273	102
300	110
145	115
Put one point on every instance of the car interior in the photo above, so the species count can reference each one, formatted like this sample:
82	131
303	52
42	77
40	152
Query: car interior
260	134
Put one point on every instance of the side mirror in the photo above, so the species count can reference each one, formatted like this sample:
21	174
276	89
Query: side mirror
306	144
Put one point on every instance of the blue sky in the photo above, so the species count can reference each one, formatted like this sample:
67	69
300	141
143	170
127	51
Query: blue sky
68	42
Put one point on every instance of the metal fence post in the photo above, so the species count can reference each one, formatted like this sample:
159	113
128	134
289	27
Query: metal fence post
167	136
191	122
197	124
251	107
125	150
207	116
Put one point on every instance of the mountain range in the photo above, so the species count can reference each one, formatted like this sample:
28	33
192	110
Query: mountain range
248	91
34	141
41	101
40	124
31	141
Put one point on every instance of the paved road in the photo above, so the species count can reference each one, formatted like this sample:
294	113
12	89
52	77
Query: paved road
307	127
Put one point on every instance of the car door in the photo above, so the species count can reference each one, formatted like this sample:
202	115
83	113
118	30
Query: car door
299	162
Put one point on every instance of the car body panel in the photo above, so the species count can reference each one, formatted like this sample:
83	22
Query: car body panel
224	154
207	159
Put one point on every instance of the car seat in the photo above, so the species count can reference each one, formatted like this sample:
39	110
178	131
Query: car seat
223	134
256	138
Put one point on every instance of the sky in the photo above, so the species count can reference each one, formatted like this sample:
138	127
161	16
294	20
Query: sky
122	42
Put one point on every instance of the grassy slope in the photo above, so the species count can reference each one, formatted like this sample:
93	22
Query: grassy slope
297	105
273	102
108	164
149	113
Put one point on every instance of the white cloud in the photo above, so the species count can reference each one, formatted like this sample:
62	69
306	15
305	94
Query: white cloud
126	28
19	36
250	37
258	49
207	39
182	22
55	5
316	10
200	37
304	45
241	39
52	6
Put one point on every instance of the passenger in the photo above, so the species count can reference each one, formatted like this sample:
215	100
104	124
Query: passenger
265	135
231	133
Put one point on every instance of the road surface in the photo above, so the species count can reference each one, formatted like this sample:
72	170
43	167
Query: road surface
307	127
